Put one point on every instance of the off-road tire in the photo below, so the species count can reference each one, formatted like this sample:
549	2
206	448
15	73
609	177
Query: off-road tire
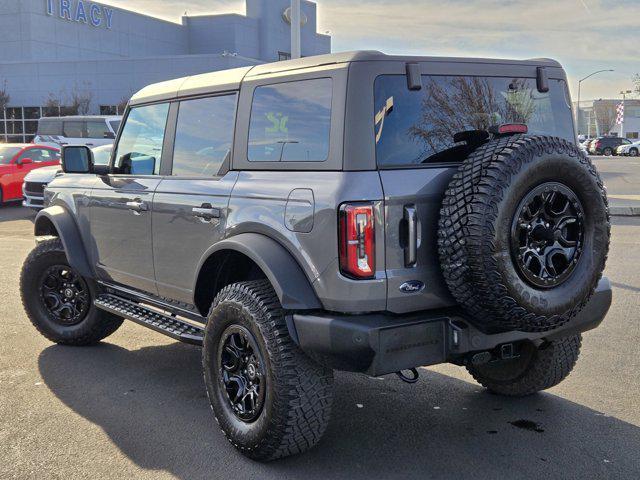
96	324
538	370
474	236
299	391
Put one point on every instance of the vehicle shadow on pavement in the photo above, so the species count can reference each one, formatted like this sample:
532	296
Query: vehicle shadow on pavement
14	210
152	404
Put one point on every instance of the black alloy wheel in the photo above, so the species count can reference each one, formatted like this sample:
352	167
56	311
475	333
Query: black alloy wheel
242	373
547	235
65	295
608	152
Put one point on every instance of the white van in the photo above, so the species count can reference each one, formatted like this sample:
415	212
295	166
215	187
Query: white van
91	131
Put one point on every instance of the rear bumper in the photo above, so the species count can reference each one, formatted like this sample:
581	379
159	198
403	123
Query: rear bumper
378	344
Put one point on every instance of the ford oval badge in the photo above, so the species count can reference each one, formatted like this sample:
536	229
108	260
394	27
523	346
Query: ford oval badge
412	286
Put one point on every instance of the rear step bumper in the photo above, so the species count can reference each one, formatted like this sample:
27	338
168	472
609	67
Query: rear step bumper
166	324
378	344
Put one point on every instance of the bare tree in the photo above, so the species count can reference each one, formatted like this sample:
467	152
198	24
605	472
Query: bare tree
636	83
606	114
458	104
52	106
81	100
5	98
122	105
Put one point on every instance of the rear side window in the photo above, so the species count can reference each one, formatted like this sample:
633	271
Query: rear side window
204	134
418	127
49	127
140	146
97	129
291	122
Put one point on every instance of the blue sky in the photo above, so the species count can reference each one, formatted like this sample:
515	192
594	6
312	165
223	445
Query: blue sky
585	35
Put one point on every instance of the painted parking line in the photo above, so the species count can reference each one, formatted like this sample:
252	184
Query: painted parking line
626	197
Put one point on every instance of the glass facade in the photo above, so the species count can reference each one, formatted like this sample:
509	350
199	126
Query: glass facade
19	124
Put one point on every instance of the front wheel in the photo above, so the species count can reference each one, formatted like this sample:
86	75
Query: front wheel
534	370
633	152
59	302
268	397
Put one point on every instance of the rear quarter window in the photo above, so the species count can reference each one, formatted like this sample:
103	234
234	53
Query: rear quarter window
418	127
291	122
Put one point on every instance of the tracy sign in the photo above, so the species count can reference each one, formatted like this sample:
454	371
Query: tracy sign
81	11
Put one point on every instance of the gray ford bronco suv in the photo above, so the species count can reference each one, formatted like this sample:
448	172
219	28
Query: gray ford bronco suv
355	211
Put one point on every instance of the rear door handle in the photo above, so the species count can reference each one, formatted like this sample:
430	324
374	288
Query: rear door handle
138	206
411	248
206	212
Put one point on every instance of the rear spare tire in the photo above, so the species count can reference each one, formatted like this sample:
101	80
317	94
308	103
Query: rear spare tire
524	233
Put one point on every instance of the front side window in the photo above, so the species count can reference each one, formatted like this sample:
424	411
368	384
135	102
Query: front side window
41	155
140	146
418	127
291	122
74	129
204	134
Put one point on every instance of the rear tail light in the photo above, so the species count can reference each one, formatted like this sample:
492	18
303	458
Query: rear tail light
598	144
357	240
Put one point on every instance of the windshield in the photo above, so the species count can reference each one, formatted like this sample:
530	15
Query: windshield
7	154
415	127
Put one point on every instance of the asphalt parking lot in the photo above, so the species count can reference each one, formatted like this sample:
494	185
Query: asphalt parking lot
135	406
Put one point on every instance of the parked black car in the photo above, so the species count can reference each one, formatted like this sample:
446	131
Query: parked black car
606	145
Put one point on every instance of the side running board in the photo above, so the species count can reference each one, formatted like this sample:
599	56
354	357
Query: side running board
150	318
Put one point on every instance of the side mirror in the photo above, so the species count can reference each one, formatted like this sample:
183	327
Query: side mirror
77	159
25	161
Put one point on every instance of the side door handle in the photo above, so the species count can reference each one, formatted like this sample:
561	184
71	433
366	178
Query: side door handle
206	212
137	206
411	248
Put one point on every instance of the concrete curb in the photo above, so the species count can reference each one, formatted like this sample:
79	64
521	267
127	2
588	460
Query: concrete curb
617	211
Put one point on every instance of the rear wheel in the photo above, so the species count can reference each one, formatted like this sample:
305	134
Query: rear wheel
534	370
59	302
633	152
269	398
607	152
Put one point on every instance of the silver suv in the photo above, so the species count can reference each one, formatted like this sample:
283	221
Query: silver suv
356	212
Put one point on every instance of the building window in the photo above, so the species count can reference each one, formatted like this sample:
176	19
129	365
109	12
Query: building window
284	56
633	135
108	110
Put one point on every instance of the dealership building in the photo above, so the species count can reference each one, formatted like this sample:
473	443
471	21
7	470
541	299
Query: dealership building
80	56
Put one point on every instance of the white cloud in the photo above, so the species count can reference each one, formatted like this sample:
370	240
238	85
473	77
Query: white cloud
585	35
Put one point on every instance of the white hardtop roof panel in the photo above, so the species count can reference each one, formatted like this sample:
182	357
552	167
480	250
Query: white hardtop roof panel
193	85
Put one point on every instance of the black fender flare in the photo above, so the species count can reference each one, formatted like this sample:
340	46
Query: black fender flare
285	274
68	232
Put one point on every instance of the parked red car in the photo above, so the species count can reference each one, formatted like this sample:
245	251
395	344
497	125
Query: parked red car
16	160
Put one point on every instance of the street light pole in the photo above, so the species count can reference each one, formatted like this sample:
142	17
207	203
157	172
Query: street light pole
296	48
579	88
